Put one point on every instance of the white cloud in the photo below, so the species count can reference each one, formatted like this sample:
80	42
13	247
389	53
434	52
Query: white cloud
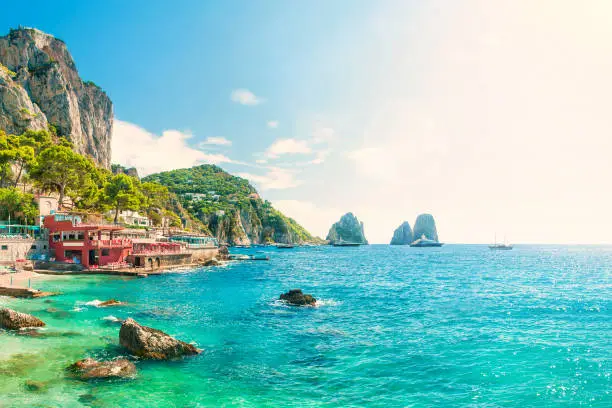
320	157
273	124
275	179
245	97
323	135
261	161
288	146
133	146
216	140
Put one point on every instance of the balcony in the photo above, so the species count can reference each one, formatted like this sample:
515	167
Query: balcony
111	243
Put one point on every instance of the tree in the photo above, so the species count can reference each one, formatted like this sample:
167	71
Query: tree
17	205
155	195
60	169
24	158
121	193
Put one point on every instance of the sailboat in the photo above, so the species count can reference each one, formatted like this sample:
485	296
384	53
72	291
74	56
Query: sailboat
502	246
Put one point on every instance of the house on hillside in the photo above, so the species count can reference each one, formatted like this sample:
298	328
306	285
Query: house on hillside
129	217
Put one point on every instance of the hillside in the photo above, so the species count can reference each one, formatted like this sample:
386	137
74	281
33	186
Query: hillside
230	207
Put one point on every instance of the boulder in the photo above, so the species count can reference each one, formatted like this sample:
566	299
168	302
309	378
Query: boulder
348	230
147	342
89	369
12	320
425	225
402	235
296	297
223	253
211	262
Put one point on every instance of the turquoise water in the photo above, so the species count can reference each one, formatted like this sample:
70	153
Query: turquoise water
396	326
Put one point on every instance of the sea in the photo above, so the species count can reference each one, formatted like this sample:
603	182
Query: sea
457	326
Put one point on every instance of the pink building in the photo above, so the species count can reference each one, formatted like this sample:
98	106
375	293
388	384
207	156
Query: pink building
88	244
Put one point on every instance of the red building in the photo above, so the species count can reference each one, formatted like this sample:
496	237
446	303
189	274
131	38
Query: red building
91	245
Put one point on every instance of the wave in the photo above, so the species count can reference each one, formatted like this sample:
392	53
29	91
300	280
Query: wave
112	318
327	302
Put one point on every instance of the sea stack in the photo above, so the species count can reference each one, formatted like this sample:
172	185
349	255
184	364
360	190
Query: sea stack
402	235
425	225
349	230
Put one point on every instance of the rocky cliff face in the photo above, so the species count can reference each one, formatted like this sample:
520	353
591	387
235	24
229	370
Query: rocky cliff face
348	229
402	235
40	86
425	225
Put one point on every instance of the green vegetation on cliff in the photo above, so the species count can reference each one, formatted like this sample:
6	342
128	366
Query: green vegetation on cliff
38	161
230	207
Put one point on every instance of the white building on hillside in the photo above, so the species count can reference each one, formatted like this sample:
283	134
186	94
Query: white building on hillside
130	217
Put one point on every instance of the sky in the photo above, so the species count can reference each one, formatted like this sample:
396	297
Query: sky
494	116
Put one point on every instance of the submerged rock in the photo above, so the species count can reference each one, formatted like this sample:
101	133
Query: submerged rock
110	302
34	386
147	342
12	320
296	297
347	230
402	235
425	225
88	369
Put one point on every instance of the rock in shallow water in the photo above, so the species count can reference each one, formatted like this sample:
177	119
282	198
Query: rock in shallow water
296	297
12	320
110	302
89	369
147	342
34	386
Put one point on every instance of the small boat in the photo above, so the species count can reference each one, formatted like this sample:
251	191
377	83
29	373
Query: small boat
240	257
346	244
285	246
425	242
245	257
260	257
500	247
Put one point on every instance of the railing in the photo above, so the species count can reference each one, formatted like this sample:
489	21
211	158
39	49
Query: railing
112	243
159	252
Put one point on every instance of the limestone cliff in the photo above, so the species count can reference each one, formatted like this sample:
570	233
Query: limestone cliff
40	86
402	235
425	225
347	230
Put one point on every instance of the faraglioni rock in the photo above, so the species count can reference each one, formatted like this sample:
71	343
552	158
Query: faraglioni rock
40	86
425	225
147	342
12	320
347	230
402	235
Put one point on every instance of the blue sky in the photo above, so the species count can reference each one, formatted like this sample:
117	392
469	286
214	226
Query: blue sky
490	115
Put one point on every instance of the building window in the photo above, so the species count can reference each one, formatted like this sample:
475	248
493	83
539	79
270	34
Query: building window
5	247
33	247
105	252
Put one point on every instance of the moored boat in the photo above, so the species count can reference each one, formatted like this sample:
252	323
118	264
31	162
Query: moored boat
346	244
424	242
285	246
500	247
